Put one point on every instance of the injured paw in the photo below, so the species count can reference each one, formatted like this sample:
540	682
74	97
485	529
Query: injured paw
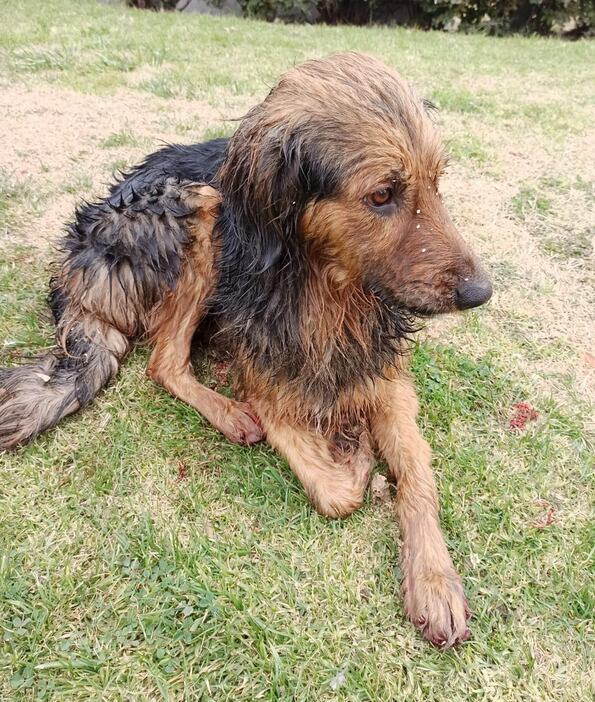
241	424
436	604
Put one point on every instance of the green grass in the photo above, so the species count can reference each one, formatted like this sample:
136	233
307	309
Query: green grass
102	51
459	101
143	557
216	132
121	138
536	207
119	578
578	247
14	194
529	200
468	147
78	184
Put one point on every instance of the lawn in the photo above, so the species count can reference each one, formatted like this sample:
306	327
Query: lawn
142	557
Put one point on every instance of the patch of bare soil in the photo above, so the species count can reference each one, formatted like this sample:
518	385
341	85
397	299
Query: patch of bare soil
54	141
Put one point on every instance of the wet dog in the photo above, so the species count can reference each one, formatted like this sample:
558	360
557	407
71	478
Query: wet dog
306	248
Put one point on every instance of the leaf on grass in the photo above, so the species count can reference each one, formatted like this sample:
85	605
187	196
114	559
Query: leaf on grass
548	517
380	489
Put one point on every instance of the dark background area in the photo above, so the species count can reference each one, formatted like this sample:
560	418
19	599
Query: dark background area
566	18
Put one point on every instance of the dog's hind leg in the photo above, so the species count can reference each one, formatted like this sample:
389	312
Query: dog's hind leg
434	597
334	480
175	322
119	258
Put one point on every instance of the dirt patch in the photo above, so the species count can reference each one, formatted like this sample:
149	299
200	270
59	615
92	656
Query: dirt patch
57	142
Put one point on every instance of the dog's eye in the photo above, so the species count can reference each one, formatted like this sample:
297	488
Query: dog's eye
381	197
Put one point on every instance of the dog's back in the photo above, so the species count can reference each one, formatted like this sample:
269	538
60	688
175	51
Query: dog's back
119	258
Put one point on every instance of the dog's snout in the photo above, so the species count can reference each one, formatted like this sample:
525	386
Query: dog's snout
472	292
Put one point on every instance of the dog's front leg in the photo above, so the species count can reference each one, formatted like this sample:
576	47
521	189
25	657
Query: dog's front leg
434	597
334	480
176	318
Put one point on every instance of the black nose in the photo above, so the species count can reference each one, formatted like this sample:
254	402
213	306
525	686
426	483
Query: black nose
472	292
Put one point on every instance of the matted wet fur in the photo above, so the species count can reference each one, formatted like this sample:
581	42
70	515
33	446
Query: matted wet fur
308	247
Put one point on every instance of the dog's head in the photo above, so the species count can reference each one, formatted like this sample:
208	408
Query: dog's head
343	157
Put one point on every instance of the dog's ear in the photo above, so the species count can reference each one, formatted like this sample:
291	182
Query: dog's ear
269	177
304	174
281	194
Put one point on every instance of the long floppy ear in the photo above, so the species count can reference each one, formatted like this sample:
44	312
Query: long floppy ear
270	174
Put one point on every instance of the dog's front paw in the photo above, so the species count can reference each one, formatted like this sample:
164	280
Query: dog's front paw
241	425
436	604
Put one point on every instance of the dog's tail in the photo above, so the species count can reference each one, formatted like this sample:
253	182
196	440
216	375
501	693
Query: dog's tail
120	257
35	397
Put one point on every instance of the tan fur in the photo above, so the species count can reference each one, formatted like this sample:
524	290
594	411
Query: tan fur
334	480
175	321
287	401
434	597
421	252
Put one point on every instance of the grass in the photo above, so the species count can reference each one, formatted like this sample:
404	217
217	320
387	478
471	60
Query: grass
121	138
468	147
579	247
142	557
14	194
78	184
537	206
529	200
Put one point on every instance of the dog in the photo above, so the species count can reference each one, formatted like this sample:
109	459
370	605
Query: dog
306	248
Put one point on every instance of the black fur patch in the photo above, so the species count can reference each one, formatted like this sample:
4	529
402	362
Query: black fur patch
139	230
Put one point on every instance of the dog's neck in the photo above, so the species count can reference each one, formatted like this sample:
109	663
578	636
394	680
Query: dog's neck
300	331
